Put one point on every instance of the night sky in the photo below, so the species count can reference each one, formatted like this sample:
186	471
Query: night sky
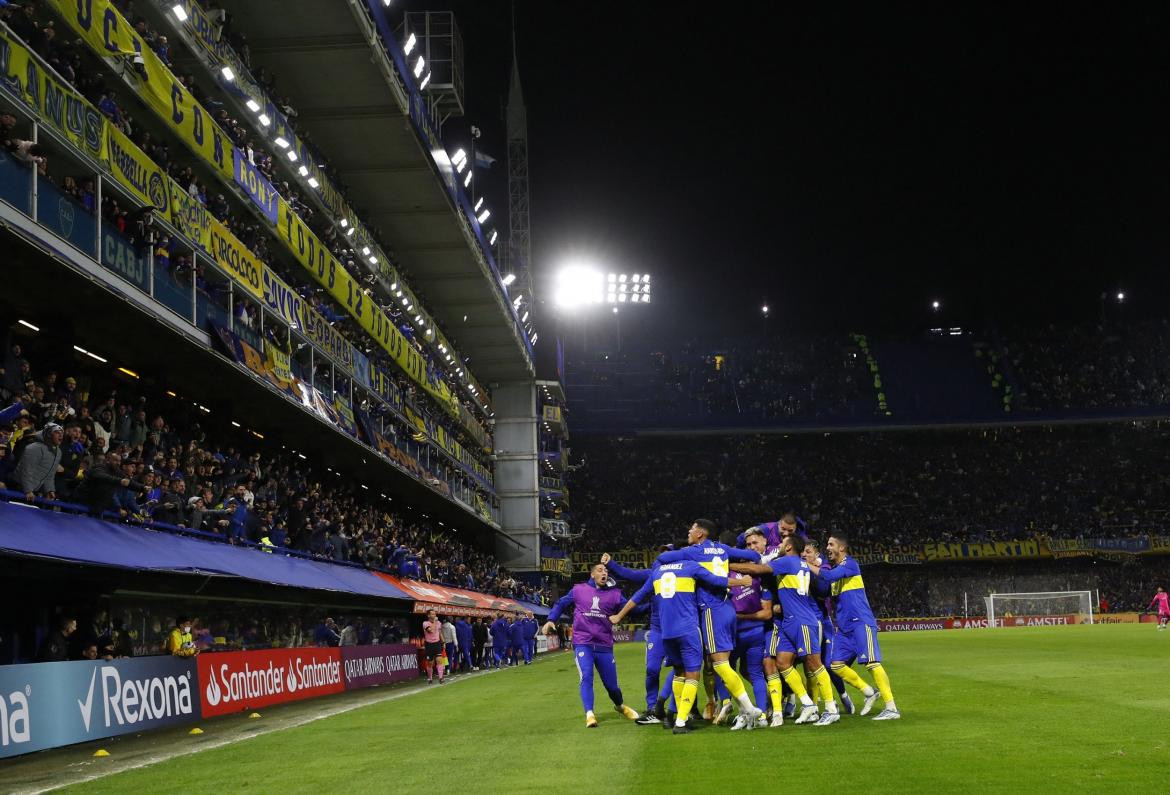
846	166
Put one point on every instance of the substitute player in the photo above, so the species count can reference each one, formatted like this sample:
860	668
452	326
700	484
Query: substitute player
717	613
593	602
857	632
1162	600
821	594
797	635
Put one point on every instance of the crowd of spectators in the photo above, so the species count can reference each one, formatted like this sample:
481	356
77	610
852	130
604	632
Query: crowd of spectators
1092	366
742	380
85	73
895	487
154	458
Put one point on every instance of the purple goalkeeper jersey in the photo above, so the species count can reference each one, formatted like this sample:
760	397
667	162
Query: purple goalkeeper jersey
592	607
747	599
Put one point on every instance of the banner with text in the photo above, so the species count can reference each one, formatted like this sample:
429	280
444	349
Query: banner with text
238	680
369	666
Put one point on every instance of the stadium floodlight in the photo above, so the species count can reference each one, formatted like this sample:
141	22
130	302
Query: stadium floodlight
535	337
344	223
764	309
935	305
366	250
411	41
373	260
313	183
459	156
478	204
292	155
426	81
303	171
621	297
525	318
622	278
281	142
1121	296
495	234
253	105
511	277
28	325
634	298
467	179
228	74
419	65
576	285
180	12
349	232
615	310
486	214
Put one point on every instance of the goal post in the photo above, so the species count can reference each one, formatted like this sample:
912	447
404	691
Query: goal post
1040	603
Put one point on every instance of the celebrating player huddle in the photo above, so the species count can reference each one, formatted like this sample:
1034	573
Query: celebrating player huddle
766	608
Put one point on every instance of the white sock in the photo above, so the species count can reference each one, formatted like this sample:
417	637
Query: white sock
831	706
805	701
890	705
745	704
868	691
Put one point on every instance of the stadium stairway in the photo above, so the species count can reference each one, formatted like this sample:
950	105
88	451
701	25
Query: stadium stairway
935	378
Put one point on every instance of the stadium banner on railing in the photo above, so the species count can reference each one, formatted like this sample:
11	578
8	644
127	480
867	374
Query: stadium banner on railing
430	596
301	316
190	217
23	76
552	413
101	25
1108	548
255	184
136	172
234	258
557	565
45	705
630	558
1019	550
120	256
370	666
237	680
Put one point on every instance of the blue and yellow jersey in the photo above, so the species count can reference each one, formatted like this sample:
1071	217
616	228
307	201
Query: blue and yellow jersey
715	558
793	580
675	589
849	599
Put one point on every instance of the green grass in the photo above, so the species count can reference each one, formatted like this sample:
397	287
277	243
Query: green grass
1023	709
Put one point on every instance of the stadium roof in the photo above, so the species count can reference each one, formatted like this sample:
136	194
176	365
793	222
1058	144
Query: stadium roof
350	103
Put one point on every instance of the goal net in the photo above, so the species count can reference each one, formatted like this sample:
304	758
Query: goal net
1009	609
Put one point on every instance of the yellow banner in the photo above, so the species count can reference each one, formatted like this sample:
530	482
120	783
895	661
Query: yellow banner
135	171
108	34
190	217
345	290
557	565
53	101
240	263
279	363
552	413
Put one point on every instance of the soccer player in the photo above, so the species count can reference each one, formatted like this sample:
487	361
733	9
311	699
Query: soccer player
593	602
516	643
797	635
822	598
753	613
1163	602
500	633
857	632
530	629
656	696
717	613
675	590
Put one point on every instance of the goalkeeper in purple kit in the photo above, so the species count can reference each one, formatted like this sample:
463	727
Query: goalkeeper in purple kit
593	602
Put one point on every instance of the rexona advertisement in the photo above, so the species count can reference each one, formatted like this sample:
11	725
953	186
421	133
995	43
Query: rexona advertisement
44	705
239	680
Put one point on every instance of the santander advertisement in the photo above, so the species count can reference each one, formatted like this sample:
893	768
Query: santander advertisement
240	680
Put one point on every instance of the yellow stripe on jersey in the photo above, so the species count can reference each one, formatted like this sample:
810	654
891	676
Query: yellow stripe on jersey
853	583
869	643
808	647
717	566
790	581
710	630
679	584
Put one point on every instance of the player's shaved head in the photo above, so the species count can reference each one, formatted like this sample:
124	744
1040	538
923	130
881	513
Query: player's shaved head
796	544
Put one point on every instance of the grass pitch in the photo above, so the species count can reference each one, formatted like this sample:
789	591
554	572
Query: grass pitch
1041	709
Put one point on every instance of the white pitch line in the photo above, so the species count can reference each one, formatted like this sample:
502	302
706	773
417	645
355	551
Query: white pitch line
213	744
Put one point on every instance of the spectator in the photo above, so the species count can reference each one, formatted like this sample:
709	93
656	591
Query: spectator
102	483
56	646
349	634
179	642
40	463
